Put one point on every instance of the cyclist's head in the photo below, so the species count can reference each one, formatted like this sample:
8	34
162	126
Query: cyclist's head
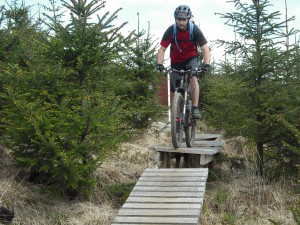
183	12
182	15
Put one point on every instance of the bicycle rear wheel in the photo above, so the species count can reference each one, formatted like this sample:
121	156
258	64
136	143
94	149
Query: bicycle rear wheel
177	120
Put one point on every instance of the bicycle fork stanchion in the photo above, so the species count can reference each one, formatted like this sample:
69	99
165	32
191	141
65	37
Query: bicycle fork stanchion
169	98
186	90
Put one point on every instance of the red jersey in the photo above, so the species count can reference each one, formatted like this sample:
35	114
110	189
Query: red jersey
188	47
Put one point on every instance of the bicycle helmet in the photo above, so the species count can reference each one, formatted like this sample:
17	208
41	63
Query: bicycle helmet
183	12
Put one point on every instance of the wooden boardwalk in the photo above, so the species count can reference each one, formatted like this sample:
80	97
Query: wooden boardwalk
203	151
165	197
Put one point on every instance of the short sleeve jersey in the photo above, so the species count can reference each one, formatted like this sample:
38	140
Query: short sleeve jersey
187	46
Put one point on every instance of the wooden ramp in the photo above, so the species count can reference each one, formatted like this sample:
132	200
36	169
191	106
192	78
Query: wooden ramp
205	147
165	197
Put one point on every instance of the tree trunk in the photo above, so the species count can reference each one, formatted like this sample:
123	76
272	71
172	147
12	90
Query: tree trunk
260	158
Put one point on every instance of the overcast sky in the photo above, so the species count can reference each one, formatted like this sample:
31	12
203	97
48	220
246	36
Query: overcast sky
160	15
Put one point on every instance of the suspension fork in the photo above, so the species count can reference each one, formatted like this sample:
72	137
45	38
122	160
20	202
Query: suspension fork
185	102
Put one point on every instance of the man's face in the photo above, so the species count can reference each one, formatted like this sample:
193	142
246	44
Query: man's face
181	23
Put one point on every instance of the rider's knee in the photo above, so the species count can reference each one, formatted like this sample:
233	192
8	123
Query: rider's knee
194	81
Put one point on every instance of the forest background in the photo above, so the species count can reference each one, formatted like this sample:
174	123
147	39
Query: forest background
71	92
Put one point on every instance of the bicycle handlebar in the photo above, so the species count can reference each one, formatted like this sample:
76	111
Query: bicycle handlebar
183	72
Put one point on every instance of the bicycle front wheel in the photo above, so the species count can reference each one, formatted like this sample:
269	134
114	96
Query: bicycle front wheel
177	120
190	126
190	134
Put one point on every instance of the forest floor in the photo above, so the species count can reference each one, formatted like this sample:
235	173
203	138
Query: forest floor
234	194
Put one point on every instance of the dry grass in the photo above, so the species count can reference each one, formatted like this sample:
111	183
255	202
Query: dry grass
33	207
234	195
237	196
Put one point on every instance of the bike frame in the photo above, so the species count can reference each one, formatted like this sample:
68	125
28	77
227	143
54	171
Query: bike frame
181	116
185	86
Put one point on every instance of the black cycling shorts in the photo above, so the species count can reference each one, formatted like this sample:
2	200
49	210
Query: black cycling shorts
175	77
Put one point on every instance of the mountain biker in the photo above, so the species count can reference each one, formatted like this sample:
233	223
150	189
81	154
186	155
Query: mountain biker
183	52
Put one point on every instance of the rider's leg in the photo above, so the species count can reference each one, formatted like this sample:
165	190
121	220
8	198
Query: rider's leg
194	86
174	81
194	89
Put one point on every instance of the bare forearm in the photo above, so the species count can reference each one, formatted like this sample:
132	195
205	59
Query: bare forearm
206	54
160	55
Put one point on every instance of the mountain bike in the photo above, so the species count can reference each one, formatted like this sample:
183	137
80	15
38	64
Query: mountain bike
181	110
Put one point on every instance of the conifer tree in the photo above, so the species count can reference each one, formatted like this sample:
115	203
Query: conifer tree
248	101
17	30
140	84
63	116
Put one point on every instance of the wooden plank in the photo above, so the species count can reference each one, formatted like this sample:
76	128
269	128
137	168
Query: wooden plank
193	161
204	143
195	171
144	224
156	220
170	184
170	179
199	136
160	212
177	170
163	200
178	175
207	144
194	150
165	160
135	205
167	194
197	144
205	159
180	189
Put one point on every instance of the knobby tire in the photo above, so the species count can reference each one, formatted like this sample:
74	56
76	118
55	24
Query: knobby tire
177	120
190	134
190	126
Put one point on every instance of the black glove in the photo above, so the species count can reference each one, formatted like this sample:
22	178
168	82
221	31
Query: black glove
160	67
205	67
194	73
